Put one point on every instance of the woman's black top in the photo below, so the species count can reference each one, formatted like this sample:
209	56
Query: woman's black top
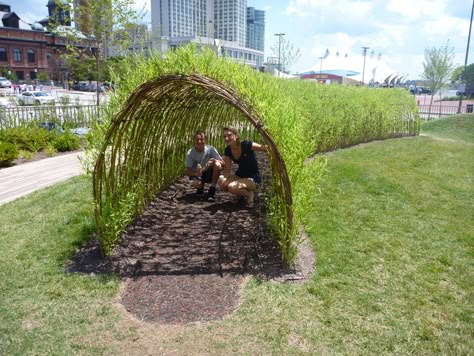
248	166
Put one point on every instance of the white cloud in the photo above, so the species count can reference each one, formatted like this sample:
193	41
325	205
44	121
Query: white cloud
399	29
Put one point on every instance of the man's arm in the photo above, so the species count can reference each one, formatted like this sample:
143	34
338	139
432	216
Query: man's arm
215	156
191	173
189	166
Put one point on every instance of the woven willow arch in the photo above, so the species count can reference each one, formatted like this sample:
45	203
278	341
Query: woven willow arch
145	146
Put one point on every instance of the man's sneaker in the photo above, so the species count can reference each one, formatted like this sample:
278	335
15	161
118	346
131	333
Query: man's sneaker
212	194
200	192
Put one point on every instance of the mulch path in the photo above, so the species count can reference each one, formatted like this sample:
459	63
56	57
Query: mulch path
185	259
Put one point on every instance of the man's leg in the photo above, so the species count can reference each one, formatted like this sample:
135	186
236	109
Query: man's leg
197	184
208	177
216	171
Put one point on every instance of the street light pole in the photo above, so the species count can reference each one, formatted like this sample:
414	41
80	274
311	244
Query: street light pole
467	54
363	69
279	51
36	73
320	66
95	53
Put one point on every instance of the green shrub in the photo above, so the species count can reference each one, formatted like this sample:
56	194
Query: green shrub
26	155
50	150
31	138
67	142
38	139
65	100
17	136
8	153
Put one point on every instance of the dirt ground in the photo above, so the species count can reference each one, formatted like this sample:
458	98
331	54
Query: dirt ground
185	259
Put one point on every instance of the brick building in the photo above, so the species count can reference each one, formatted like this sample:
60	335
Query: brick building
27	50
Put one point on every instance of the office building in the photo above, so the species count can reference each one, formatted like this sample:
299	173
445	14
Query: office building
229	16
219	24
181	18
255	29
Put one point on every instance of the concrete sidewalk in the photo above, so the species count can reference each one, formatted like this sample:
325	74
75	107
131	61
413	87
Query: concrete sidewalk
21	180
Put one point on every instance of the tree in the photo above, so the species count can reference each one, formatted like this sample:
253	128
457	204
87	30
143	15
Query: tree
286	53
457	73
437	68
102	28
468	78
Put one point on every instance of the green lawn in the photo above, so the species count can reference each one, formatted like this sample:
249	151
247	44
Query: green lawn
394	237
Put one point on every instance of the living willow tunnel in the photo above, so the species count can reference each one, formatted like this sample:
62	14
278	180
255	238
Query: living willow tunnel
144	148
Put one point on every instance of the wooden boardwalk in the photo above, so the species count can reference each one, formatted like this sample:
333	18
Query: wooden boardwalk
21	180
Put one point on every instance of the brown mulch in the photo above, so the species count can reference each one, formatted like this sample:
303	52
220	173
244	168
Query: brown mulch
185	259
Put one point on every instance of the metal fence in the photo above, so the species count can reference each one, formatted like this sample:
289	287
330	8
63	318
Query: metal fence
439	110
72	115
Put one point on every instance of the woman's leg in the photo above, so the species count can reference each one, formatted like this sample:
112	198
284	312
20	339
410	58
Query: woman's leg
243	187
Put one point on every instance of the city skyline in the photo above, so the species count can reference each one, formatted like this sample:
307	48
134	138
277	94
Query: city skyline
221	24
399	30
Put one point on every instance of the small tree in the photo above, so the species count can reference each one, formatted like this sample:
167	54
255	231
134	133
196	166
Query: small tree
468	78
43	76
104	26
286	53
456	74
437	68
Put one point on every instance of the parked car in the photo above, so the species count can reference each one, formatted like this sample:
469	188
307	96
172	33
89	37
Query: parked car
81	86
93	87
34	98
5	83
459	93
53	126
420	90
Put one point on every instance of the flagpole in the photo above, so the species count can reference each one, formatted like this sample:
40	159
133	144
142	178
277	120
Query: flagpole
363	70
321	63
467	55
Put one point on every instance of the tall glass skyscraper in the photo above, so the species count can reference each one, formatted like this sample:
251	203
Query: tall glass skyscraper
255	29
229	16
180	18
221	24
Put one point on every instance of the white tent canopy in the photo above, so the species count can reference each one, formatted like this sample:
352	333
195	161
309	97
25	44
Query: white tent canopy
375	68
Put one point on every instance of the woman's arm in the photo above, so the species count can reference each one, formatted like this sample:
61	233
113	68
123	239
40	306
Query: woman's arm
258	147
223	183
227	163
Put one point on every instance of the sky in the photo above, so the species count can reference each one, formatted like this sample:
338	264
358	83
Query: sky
397	32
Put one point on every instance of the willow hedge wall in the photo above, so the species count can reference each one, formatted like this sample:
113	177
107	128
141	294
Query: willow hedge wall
303	118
